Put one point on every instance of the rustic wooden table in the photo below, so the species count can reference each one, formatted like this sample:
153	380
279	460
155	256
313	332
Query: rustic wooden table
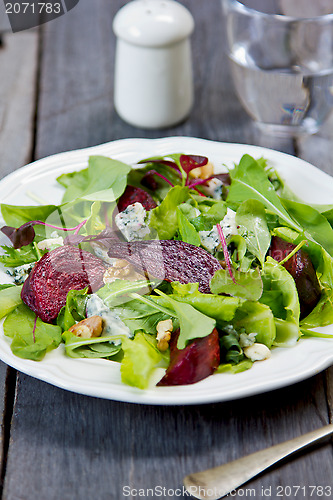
56	94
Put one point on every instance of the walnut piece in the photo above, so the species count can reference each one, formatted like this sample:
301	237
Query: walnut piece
88	328
121	269
202	172
164	330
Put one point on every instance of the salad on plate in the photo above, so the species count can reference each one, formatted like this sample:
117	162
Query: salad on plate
170	265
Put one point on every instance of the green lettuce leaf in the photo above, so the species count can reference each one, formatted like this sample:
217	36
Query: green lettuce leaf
4	286
257	318
322	314
248	285
193	324
10	298
19	326
218	307
280	294
164	217
242	366
140	359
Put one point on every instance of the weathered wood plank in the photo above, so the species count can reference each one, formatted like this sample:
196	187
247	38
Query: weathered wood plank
329	378
70	447
18	67
18	63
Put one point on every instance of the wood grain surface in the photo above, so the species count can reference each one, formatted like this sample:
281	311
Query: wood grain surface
57	445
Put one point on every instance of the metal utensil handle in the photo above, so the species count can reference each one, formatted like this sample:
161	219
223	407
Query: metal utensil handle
215	483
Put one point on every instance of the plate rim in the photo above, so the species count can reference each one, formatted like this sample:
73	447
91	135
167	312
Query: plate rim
163	396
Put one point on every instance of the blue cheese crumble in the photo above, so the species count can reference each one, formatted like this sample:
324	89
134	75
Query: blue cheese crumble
112	324
20	273
213	188
132	222
210	240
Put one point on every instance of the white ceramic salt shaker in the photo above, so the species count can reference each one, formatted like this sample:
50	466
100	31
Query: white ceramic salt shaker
153	66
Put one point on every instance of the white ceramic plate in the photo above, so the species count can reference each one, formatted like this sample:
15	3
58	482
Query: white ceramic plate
101	378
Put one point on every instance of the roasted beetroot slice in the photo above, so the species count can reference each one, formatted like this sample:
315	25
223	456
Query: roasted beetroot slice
169	260
135	195
303	272
196	361
63	269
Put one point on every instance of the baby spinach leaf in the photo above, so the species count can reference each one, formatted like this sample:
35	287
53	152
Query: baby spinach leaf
94	224
251	218
142	314
16	216
164	217
187	231
74	310
250	181
313	223
75	183
213	215
114	293
237	250
10	298
27	343
97	347
231	351
105	179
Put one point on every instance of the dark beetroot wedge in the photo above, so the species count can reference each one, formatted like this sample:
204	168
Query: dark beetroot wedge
169	260
302	270
199	359
58	271
135	195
